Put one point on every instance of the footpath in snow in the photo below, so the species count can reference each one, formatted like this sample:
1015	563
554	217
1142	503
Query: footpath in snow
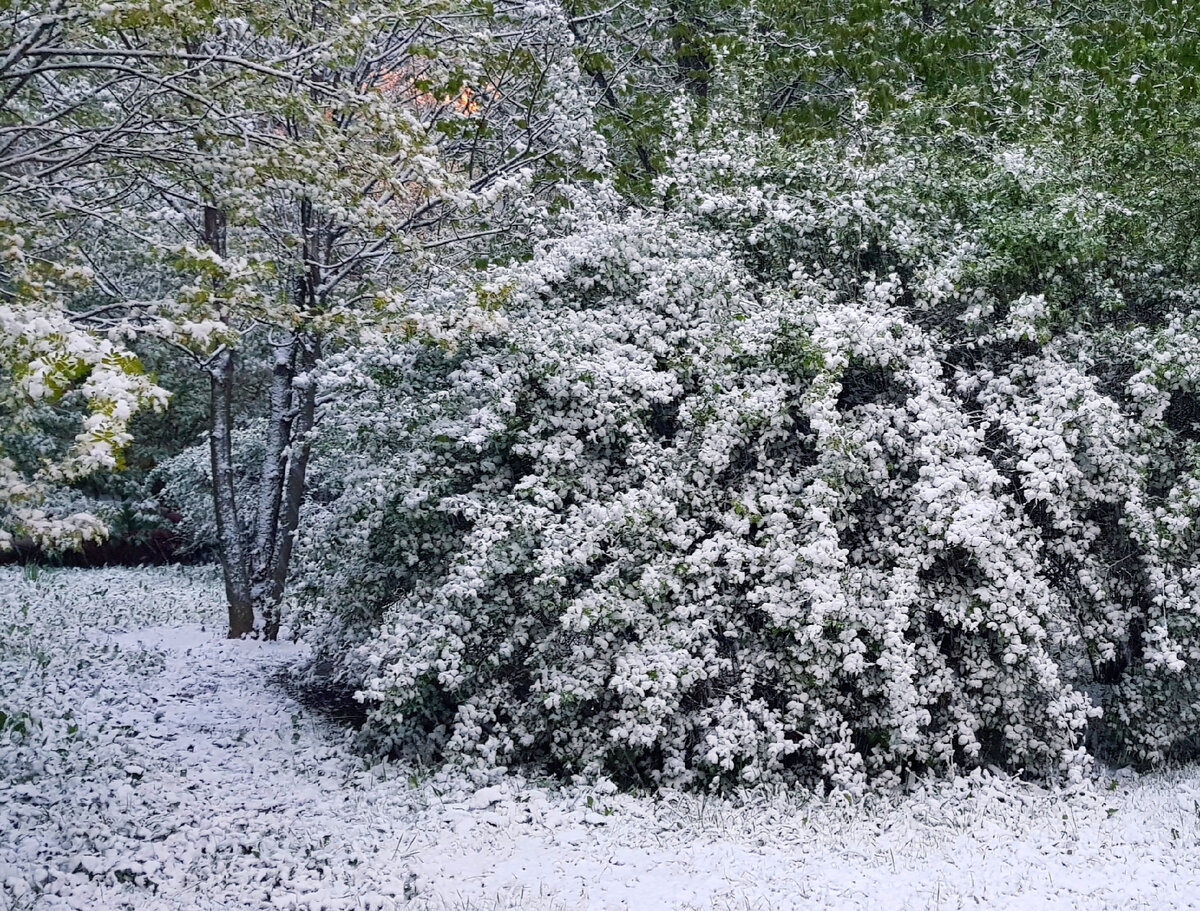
148	763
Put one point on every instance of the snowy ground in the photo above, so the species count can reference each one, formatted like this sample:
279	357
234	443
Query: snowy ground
145	762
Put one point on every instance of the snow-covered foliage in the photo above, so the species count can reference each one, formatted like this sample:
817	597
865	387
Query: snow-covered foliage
104	712
153	764
40	707
238	183
817	470
46	362
184	485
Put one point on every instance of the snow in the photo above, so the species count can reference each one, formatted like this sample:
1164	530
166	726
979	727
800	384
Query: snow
162	767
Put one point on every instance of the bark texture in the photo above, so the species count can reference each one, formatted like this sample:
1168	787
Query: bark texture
256	551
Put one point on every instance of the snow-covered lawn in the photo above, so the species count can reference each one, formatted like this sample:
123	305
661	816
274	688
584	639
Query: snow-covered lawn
146	762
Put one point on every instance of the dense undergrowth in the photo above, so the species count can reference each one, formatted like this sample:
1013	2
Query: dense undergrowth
831	464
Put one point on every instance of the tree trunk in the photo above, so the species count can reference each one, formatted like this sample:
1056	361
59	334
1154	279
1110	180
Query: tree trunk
280	417
255	555
292	410
304	398
231	535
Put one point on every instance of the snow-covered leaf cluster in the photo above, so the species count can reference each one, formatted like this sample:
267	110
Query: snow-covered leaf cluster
818	469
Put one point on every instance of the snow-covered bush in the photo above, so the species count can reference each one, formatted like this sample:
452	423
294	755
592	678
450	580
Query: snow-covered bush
789	478
184	485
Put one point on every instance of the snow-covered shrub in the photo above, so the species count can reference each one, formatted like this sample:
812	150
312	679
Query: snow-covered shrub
184	485
790	479
1072	346
1155	706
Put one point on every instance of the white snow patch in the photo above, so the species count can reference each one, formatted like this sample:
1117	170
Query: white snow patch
148	763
